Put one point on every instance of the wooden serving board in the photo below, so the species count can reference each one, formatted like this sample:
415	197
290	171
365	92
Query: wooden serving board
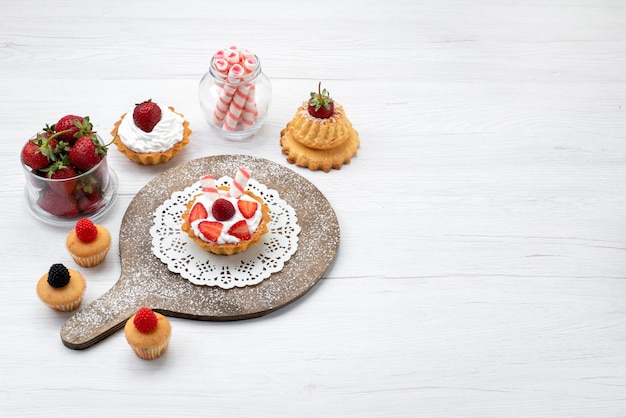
146	281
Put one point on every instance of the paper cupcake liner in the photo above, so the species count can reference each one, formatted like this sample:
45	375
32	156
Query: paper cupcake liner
67	307
151	353
92	260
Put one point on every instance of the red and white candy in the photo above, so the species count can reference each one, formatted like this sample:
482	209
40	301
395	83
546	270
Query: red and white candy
240	182
234	75
208	187
235	103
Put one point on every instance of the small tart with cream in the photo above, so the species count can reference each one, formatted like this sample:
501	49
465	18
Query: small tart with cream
150	134
226	220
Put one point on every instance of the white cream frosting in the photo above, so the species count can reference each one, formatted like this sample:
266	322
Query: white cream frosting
225	237
165	134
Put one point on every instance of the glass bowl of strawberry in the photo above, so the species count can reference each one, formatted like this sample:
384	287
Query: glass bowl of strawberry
67	174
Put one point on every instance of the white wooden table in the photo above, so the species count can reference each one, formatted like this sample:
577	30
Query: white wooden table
482	265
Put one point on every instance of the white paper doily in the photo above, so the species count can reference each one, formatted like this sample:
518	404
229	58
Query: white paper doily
173	247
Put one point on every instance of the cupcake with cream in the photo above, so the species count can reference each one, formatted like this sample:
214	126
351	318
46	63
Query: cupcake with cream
151	134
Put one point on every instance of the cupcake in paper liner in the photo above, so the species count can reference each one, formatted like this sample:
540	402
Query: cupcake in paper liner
150	134
148	333
61	289
88	243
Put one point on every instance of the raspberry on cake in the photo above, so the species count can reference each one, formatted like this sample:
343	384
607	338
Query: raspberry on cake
88	243
226	220
148	333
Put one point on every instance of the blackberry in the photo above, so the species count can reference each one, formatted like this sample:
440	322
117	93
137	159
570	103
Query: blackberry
58	275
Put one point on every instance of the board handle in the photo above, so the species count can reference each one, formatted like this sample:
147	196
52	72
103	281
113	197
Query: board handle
101	318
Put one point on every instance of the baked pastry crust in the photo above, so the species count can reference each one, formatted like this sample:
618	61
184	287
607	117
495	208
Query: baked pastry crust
316	159
229	249
151	158
319	144
318	133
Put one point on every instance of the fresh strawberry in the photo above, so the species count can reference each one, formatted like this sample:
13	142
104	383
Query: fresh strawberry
40	151
240	230
86	231
86	153
90	202
210	230
198	211
58	204
60	171
90	183
222	210
320	104
146	115
145	320
68	126
65	173
247	208
33	157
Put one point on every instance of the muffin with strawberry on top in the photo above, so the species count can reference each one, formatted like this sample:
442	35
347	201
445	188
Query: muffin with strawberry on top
151	134
88	243
320	135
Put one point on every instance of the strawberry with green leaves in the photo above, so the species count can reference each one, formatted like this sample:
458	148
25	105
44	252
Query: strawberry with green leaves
62	153
90	202
61	170
89	193
71	127
321	105
39	152
87	152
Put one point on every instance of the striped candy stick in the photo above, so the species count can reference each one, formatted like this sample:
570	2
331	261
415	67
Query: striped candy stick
227	94
243	100
249	113
240	182
235	108
208	187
